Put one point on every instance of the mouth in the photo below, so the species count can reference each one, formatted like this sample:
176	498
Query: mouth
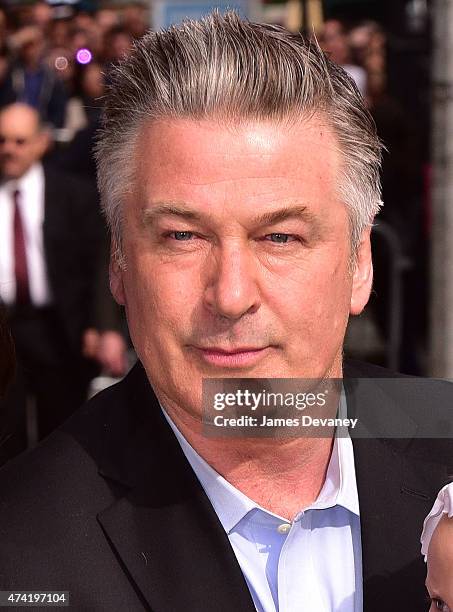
232	358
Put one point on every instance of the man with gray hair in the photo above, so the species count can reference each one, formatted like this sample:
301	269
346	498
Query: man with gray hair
239	172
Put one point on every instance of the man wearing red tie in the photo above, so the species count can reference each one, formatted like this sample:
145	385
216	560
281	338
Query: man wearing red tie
49	232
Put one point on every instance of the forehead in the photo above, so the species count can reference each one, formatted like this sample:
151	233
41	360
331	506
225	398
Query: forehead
441	545
257	164
18	123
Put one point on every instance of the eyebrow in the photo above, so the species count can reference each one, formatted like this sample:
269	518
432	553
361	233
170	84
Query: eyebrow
269	218
288	212
175	210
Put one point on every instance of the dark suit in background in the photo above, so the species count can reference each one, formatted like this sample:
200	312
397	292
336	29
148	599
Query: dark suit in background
77	158
121	521
48	340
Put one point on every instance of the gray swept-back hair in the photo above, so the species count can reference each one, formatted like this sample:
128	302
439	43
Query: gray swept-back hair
222	67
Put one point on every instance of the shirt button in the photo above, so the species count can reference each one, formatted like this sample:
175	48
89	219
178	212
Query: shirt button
284	528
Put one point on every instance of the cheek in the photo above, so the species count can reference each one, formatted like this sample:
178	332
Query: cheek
315	295
159	300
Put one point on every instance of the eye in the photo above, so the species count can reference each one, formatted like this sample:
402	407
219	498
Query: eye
279	238
439	604
181	236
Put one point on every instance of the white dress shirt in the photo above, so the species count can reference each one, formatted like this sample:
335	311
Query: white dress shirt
311	563
31	206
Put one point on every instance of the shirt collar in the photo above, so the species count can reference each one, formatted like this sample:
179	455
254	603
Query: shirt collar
340	485
30	177
231	505
27	181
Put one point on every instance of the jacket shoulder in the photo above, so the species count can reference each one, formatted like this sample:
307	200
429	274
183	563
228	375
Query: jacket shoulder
354	368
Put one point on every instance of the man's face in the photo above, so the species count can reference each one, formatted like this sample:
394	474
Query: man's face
32	49
21	142
237	251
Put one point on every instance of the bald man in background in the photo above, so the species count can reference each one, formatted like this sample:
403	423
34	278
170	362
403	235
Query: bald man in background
49	236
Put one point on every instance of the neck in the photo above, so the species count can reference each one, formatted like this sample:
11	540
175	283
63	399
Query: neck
283	475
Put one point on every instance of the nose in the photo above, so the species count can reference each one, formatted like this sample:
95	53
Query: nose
232	289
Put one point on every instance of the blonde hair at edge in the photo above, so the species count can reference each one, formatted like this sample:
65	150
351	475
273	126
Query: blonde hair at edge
227	69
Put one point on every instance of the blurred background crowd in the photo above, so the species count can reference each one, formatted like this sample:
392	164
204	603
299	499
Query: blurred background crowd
54	67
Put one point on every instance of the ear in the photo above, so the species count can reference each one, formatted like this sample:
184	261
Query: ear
363	275
43	143
116	280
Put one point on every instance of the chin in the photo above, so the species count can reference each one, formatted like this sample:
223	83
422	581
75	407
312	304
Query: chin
11	174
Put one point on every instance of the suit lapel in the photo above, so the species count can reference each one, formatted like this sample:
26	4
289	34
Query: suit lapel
395	495
396	491
177	554
164	529
50	225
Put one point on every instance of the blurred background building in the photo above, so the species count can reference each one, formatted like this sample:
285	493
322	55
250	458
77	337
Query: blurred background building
55	56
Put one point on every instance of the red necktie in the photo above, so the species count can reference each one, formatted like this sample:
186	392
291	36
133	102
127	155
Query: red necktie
20	256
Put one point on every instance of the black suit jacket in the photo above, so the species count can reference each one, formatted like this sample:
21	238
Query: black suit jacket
109	509
72	241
